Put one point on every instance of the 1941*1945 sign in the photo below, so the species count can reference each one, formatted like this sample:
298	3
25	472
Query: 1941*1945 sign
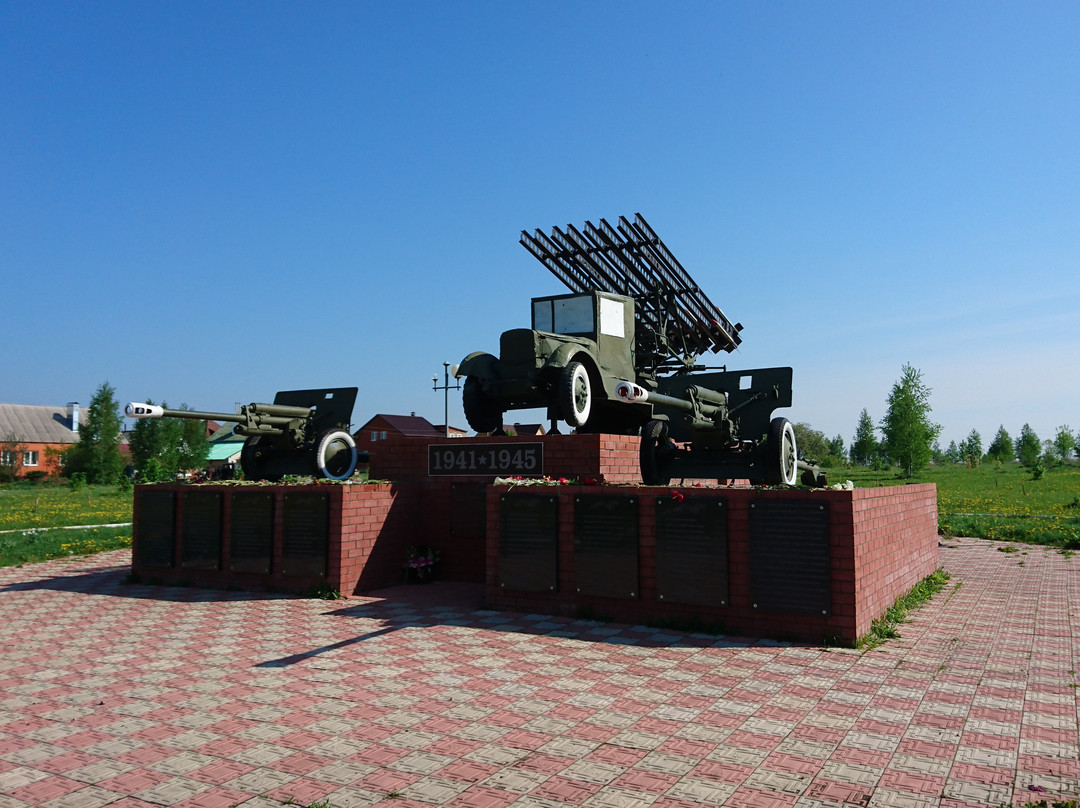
486	459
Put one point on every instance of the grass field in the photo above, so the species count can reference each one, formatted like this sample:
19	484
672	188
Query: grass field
995	501
992	501
32	516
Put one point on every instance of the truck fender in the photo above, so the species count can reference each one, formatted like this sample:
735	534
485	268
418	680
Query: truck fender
482	365
568	352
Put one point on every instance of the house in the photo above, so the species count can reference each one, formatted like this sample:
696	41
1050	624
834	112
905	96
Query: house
523	430
382	426
454	431
32	437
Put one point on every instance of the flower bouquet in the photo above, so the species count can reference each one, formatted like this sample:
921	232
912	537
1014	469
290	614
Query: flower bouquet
420	565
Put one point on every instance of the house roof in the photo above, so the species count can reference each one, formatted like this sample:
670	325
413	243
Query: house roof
33	423
408	425
223	451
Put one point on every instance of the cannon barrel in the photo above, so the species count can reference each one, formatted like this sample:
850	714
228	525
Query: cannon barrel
708	401
270	414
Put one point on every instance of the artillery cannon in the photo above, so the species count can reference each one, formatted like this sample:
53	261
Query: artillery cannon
303	432
720	425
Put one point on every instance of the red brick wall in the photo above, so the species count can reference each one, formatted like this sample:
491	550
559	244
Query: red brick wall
370	530
882	541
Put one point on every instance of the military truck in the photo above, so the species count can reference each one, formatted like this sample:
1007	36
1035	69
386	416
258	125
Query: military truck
620	355
579	348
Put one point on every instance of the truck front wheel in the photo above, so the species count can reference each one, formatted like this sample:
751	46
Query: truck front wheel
575	394
481	410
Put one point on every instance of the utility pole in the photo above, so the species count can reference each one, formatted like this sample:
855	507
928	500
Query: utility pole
446	388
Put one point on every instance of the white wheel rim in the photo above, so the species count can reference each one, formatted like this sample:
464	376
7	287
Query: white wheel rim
789	458
581	412
336	437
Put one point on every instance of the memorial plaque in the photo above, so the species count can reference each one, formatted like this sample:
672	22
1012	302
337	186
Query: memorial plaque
155	533
485	459
529	542
251	532
305	534
200	547
692	551
606	546
789	557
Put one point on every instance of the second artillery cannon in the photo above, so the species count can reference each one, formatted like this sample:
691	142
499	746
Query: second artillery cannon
720	425
303	432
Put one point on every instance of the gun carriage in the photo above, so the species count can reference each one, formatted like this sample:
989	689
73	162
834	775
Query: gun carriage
620	355
304	432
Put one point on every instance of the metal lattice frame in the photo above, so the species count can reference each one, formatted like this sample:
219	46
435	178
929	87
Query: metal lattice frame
631	260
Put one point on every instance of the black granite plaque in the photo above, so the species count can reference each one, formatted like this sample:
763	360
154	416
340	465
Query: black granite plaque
155	531
692	551
200	547
606	546
485	459
305	534
251	532
529	542
789	557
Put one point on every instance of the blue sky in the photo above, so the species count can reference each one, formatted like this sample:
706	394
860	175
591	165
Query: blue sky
209	202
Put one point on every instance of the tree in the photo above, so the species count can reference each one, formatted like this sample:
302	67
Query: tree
1001	447
1064	443
936	454
194	445
836	448
11	457
971	448
810	442
865	445
1028	446
161	447
907	429
952	454
97	454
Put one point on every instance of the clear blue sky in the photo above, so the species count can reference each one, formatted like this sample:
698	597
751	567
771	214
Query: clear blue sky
209	202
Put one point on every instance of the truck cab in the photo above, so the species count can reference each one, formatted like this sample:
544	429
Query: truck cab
579	348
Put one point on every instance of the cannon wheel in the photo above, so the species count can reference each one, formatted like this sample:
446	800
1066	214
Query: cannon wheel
481	410
782	459
251	461
335	455
656	450
575	394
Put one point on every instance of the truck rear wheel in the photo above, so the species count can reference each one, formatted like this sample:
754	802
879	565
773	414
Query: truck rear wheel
575	394
481	410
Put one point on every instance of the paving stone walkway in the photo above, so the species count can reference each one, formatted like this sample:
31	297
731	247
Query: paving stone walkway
129	695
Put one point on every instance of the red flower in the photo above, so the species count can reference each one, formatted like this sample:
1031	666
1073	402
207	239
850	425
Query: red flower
677	495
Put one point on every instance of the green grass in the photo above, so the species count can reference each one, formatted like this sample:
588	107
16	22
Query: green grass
995	501
58	504
41	544
885	627
33	515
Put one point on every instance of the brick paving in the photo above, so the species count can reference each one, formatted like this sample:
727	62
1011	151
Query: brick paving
131	695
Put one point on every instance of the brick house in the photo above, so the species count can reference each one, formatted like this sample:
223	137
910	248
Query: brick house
382	427
33	436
